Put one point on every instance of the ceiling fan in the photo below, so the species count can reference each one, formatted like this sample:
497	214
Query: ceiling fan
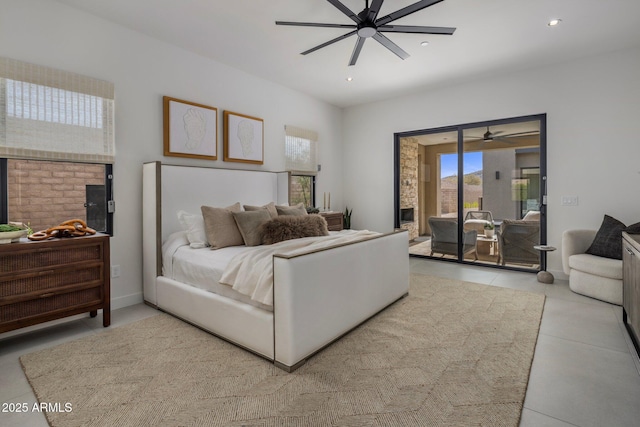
489	136
368	25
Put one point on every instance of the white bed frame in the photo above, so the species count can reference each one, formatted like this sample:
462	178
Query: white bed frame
318	296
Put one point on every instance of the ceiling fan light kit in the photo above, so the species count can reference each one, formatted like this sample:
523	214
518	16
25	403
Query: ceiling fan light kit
367	25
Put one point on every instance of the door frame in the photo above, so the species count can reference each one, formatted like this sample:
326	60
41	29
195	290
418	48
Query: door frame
460	128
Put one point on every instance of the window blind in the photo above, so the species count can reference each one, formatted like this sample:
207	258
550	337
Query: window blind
50	114
301	150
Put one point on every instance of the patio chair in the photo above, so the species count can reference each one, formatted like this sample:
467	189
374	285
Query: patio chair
444	237
476	220
516	240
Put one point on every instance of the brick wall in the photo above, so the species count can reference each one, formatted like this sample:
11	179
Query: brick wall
48	193
409	183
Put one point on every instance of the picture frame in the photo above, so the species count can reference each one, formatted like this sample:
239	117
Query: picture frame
190	129
243	138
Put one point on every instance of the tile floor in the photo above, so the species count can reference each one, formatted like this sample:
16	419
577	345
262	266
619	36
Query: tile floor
584	372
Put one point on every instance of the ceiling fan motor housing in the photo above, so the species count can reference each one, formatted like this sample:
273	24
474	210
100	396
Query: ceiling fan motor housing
366	24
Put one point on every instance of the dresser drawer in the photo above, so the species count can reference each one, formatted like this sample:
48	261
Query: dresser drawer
48	257
45	280
50	303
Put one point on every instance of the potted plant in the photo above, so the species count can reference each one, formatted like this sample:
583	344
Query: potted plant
346	218
489	229
10	233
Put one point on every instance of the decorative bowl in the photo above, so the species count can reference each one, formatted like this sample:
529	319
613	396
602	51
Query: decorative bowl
12	236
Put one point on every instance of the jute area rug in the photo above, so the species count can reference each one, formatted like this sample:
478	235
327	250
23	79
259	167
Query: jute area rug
451	353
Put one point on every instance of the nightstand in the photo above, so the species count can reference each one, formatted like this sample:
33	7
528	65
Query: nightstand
334	220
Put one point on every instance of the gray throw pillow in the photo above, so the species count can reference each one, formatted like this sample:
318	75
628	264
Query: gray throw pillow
608	240
250	225
270	207
220	227
296	210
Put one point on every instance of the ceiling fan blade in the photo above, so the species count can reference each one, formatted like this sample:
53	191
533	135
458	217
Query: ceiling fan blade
344	9
356	51
530	132
416	29
337	39
503	139
374	9
384	41
314	24
406	11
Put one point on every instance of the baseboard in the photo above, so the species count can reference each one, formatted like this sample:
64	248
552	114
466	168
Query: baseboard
126	301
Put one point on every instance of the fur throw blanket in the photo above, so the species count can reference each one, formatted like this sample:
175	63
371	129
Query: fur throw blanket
287	227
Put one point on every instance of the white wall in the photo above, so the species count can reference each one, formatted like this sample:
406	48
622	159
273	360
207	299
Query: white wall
143	70
593	138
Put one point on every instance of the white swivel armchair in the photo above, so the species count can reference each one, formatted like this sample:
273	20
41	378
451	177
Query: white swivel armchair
590	275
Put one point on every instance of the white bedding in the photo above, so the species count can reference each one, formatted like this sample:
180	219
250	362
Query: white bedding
243	273
251	272
202	268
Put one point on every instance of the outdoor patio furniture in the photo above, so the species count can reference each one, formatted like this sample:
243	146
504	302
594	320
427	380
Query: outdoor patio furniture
444	237
532	216
476	220
516	240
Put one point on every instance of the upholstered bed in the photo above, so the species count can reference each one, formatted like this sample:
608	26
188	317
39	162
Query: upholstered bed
317	295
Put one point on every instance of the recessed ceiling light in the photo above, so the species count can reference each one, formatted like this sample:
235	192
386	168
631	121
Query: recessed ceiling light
424	43
349	79
554	22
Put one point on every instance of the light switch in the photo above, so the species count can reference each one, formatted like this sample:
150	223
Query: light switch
569	201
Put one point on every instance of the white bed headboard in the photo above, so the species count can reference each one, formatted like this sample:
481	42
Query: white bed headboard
169	188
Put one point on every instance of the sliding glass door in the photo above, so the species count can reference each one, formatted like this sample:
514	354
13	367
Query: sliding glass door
474	191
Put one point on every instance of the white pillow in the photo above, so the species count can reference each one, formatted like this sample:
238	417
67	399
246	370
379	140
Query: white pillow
194	226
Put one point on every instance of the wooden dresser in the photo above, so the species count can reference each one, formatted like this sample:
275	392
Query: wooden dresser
47	280
631	286
334	220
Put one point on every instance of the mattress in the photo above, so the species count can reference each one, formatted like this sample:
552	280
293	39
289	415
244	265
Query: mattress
202	268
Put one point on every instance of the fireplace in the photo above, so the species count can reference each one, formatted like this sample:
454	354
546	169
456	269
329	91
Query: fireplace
406	215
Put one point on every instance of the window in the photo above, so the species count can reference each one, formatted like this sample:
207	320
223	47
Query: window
302	190
300	160
56	146
44	193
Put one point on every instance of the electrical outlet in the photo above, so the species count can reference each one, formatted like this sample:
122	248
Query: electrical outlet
115	271
569	201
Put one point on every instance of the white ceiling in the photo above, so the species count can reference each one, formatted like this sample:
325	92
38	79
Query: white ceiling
492	37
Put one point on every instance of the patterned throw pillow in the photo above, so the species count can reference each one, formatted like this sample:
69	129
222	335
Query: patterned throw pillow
608	240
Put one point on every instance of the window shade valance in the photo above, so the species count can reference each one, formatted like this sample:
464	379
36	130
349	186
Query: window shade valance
301	150
50	114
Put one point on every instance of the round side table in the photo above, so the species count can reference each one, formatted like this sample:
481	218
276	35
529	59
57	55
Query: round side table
543	275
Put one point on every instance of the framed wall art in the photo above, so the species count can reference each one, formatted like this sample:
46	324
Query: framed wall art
243	138
190	129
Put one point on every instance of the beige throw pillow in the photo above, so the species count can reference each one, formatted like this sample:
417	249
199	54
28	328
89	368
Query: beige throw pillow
250	225
270	207
220	227
298	209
